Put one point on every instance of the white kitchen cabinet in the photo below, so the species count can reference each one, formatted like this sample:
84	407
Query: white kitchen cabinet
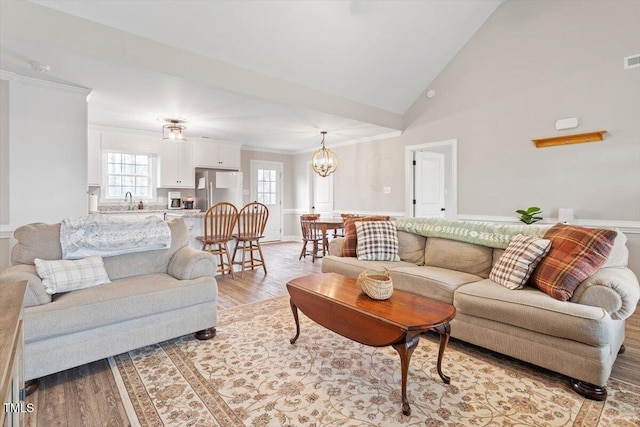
176	165
94	159
210	154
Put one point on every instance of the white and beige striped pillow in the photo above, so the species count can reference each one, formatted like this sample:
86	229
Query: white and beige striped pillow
518	261
70	275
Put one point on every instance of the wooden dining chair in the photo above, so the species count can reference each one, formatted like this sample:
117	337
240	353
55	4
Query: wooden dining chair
219	222
252	221
310	235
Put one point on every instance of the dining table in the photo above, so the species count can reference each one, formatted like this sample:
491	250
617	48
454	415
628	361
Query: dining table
325	224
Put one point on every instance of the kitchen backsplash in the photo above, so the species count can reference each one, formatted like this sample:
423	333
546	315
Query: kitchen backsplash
122	206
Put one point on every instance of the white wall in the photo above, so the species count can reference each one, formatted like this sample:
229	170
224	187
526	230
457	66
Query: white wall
46	145
530	64
5	228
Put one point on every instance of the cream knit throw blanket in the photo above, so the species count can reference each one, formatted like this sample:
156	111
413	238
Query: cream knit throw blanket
85	236
489	234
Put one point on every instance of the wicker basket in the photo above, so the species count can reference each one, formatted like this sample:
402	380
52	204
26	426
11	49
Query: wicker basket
376	283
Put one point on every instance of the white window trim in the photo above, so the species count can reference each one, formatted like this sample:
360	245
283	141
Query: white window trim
153	162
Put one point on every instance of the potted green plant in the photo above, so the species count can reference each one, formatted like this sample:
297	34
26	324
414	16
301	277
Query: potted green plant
530	215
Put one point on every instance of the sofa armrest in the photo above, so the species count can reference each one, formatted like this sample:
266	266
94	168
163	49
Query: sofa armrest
335	246
36	294
614	289
188	263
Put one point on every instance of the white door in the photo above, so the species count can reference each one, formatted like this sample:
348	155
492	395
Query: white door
323	195
266	188
429	185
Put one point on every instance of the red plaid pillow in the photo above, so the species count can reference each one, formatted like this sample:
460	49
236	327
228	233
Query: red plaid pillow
576	253
350	237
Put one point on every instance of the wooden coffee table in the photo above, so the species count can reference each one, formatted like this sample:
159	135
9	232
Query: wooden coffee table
336	302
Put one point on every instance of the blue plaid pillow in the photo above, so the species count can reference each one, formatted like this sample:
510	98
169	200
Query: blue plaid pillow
377	241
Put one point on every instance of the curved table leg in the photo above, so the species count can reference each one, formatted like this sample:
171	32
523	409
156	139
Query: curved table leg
405	350
294	309
445	332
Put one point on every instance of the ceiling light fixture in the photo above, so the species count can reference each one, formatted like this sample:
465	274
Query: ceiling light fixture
324	161
173	130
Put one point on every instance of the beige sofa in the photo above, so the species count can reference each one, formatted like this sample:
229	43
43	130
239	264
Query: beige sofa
579	338
153	296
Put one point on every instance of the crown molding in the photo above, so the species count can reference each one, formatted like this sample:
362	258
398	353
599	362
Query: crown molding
29	81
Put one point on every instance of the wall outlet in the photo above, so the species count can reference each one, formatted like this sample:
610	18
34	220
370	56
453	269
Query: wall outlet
386	190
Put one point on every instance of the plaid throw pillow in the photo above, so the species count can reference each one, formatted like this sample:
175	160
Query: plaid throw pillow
350	237
70	275
576	253
377	241
519	260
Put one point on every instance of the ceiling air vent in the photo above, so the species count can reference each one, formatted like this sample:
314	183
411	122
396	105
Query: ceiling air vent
632	61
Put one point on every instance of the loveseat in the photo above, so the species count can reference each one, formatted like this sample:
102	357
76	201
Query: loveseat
452	262
152	296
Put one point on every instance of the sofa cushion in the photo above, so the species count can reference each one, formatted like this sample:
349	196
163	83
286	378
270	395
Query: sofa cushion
576	253
36	240
115	302
69	275
350	266
149	262
35	294
43	241
534	310
350	237
432	282
619	255
459	256
411	247
377	241
519	260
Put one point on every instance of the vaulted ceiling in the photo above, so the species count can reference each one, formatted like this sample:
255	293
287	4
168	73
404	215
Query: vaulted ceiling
268	74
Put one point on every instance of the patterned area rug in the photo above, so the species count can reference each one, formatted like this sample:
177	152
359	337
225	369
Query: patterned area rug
249	375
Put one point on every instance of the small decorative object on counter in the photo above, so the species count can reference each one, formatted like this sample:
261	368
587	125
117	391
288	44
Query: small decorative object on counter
188	203
376	283
140	205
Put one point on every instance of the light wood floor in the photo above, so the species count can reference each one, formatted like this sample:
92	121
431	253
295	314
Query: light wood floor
87	395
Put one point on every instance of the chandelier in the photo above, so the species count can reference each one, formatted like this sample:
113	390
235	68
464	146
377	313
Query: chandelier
173	130
324	161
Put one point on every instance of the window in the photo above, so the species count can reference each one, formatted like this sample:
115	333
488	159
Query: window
128	172
267	186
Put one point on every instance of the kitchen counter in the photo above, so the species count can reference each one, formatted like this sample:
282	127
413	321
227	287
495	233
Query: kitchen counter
181	212
187	213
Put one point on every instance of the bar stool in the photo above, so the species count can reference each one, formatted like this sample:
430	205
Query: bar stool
219	222
252	221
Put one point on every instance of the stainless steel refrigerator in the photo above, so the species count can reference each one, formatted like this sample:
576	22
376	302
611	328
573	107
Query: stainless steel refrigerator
215	185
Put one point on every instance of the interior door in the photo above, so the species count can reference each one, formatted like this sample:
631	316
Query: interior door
266	188
429	185
323	195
